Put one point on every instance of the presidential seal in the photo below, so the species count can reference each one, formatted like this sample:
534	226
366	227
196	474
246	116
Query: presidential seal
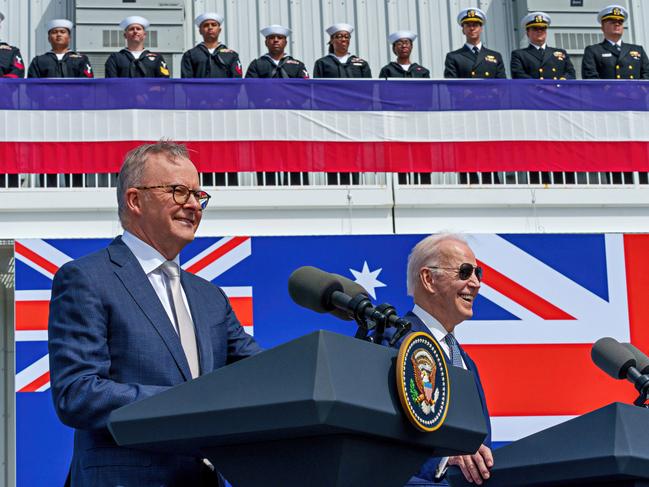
422	381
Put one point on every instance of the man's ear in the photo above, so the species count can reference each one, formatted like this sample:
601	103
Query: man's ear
133	201
427	279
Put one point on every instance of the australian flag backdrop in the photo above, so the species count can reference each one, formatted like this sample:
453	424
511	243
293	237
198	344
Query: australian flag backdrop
544	300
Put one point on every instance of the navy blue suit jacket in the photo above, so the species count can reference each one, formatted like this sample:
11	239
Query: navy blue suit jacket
427	471
111	343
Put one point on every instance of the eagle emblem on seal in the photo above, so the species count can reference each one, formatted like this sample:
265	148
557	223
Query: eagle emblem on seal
422	388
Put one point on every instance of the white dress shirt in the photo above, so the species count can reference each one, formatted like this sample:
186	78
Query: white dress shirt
436	329
150	260
471	46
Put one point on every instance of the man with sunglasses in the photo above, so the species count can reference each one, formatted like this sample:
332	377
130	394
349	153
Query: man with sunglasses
444	279
127	323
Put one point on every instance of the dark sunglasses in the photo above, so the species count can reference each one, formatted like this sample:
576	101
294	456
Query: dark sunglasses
464	272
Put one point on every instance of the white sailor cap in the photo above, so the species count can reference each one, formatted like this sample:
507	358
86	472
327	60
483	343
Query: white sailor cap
65	23
616	12
209	16
401	34
275	29
471	15
536	19
340	27
134	19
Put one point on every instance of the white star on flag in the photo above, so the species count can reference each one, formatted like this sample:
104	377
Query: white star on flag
368	279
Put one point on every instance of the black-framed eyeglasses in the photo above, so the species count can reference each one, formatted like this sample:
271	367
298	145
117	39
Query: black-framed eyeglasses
464	272
181	193
342	36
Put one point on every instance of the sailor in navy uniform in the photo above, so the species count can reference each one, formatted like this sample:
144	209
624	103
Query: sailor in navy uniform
538	60
210	58
11	61
60	62
276	63
339	63
473	60
402	42
134	61
612	58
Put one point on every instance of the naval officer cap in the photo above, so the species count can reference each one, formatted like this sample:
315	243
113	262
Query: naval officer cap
56	23
536	19
615	12
275	30
209	16
340	27
401	34
134	19
471	15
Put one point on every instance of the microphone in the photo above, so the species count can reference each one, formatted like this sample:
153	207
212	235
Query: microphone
619	361
641	360
324	292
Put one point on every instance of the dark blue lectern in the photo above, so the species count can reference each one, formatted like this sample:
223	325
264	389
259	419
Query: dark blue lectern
321	410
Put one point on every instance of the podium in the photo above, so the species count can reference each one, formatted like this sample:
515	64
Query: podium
606	447
321	410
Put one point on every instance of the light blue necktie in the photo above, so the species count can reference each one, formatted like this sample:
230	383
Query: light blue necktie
454	350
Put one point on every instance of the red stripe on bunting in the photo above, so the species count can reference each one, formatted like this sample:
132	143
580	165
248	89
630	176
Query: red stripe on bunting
32	315
315	156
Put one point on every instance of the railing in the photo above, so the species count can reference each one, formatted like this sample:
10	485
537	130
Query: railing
306	179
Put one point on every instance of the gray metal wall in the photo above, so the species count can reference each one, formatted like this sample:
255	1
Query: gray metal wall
434	20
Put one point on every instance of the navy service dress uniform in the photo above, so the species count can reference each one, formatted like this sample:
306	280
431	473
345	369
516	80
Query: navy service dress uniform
608	61
72	65
465	63
123	64
545	63
265	67
11	62
330	67
395	70
199	63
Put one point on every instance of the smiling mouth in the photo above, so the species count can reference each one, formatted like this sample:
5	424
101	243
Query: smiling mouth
467	297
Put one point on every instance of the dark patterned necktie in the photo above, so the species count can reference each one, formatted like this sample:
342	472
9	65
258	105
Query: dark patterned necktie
476	51
454	350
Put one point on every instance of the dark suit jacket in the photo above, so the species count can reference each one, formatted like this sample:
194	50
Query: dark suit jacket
111	343
330	67
602	61
463	63
427	471
529	63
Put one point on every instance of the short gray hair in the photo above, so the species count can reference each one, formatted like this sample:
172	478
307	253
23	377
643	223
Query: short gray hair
426	252
130	175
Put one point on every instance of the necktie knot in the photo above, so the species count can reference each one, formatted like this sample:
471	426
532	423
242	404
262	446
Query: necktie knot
476	51
170	268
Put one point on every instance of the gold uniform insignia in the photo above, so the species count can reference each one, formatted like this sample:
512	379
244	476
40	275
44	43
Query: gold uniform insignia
471	13
616	11
538	19
559	55
163	69
635	54
491	59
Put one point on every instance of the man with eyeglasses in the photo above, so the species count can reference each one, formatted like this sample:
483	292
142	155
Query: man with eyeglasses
612	58
444	279
127	323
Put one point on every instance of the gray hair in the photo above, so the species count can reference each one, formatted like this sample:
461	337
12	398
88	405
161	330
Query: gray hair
426	252
130	174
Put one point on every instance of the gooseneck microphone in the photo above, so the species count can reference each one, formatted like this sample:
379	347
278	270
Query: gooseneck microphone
619	361
324	292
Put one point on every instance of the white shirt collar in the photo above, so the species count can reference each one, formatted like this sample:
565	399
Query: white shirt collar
435	327
618	43
471	46
539	47
148	257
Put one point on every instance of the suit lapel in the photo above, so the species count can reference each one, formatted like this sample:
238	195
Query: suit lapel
418	325
467	53
547	55
609	47
136	283
481	55
201	324
624	50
